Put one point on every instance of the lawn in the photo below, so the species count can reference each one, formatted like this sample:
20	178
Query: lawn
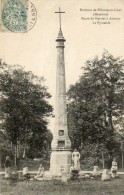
81	187
54	187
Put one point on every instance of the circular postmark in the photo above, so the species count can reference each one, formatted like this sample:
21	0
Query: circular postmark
19	15
32	16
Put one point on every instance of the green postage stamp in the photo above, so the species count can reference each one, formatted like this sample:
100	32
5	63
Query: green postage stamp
17	16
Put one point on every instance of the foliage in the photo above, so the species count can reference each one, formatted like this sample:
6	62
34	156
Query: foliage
96	155
4	152
24	105
95	103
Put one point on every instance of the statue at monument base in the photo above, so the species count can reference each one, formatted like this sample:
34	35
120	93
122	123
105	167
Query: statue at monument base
76	159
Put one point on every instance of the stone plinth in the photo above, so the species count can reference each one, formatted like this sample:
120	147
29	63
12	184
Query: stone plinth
60	161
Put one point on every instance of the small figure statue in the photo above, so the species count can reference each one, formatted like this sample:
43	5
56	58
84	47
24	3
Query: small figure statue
114	168
76	159
7	167
40	173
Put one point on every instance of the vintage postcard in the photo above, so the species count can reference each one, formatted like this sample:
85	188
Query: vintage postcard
62	91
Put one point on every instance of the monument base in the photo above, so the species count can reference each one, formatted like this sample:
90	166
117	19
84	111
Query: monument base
60	161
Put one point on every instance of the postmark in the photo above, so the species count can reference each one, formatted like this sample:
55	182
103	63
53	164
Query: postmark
32	16
17	16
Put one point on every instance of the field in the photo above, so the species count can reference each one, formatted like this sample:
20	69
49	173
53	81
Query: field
54	187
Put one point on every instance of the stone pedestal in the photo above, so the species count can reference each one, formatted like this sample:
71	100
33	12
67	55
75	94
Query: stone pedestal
60	161
105	175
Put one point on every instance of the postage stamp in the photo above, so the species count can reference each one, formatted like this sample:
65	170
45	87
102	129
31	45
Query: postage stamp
17	16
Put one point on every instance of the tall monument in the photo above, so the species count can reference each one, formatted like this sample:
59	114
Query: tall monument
61	144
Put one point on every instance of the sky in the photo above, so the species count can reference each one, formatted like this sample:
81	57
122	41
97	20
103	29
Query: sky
36	49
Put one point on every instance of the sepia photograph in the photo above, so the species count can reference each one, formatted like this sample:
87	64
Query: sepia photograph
62	97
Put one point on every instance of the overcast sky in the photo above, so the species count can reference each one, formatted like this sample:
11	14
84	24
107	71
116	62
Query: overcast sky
36	50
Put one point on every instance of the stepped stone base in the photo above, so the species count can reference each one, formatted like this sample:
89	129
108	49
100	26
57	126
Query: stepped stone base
60	161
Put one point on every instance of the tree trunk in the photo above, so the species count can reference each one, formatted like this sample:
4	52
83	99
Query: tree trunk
103	160
122	160
15	156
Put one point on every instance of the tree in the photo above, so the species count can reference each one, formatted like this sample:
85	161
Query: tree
24	106
95	102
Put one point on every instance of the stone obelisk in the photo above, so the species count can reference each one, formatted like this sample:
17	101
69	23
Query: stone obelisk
61	145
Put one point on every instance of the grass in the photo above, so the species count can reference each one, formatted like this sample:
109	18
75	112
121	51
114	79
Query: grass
54	187
82	187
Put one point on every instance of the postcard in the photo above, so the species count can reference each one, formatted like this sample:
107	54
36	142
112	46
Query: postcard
52	42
